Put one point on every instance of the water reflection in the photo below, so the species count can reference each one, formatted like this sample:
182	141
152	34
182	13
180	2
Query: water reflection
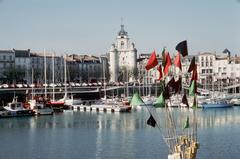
128	121
219	117
115	122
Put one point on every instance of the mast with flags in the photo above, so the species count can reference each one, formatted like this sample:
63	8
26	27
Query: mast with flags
180	135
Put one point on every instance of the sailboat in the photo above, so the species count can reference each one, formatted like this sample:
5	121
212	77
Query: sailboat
115	104
38	104
68	100
53	102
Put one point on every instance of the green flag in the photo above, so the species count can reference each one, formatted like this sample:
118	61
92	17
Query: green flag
186	124
160	102
136	100
194	102
192	89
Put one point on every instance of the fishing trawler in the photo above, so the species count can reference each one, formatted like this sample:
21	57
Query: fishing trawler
15	109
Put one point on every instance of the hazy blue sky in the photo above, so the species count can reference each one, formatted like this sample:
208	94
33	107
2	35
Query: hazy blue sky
91	26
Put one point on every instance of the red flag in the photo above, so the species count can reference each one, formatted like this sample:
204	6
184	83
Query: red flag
160	72
168	64
152	62
177	61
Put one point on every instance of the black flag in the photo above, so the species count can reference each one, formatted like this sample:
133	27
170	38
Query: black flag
151	121
184	100
192	65
182	48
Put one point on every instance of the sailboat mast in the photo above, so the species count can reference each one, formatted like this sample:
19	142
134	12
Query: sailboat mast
45	75
32	83
53	76
104	85
65	75
127	84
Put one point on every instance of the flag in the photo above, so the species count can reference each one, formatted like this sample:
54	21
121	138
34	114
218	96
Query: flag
193	88
152	62
160	102
166	93
182	48
175	86
171	83
151	121
160	72
194	102
178	85
136	100
186	124
194	74
177	61
192	65
168	64
184	100
163	57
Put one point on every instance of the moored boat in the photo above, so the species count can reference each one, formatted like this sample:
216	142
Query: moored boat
16	109
217	103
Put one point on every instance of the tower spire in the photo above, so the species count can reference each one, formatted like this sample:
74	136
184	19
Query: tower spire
122	31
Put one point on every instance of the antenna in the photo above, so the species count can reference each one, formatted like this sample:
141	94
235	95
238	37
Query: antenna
121	20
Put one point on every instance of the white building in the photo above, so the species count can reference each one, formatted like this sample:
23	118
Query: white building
123	56
218	70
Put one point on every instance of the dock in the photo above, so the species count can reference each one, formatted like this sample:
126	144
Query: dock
101	108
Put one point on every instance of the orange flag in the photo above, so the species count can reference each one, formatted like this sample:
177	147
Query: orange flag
152	62
168	64
160	72
177	61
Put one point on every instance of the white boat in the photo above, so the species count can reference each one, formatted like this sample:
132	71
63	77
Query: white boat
68	100
42	109
38	105
16	109
217	103
235	101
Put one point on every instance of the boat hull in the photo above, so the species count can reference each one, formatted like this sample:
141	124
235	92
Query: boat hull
217	105
20	113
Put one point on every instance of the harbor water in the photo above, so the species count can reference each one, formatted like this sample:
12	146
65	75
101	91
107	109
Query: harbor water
89	135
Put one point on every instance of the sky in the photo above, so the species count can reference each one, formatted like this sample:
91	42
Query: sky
91	26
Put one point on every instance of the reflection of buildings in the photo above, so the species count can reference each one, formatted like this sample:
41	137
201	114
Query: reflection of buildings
218	117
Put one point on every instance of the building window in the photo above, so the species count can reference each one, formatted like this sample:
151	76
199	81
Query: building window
4	57
122	45
202	63
203	70
207	63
